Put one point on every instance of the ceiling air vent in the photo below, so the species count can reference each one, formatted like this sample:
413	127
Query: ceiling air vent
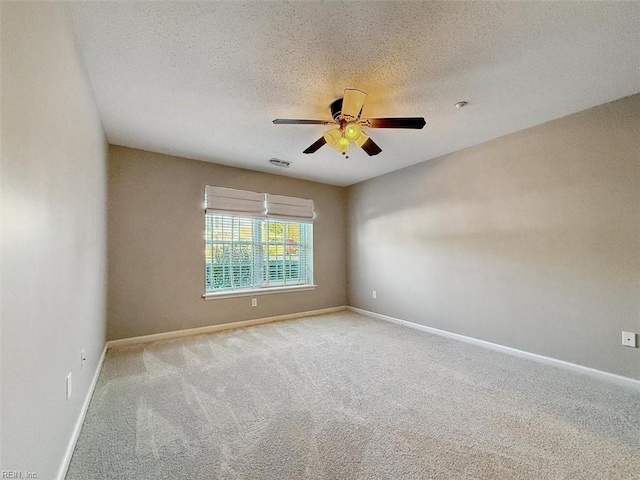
279	163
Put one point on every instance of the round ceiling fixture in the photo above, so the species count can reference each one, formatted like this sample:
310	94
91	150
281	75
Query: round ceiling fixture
461	104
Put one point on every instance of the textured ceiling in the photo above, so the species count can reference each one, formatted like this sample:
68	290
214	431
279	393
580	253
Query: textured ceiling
205	80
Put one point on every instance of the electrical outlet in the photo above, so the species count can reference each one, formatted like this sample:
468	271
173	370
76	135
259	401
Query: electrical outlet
629	339
254	302
69	386
83	358
375	294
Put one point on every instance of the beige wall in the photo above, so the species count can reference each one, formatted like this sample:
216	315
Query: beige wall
530	241
53	235
156	246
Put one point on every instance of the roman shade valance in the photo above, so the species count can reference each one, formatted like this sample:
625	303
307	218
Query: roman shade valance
230	201
300	209
222	200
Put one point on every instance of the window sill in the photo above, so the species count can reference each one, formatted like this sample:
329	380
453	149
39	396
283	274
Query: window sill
258	291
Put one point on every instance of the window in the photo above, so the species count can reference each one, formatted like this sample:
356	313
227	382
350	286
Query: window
256	242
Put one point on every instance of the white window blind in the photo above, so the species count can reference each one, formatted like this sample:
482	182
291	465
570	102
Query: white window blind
251	253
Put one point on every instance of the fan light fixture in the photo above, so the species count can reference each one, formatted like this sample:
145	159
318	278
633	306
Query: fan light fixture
352	132
332	137
339	138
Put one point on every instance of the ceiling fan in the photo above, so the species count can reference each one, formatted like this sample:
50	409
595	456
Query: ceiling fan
348	125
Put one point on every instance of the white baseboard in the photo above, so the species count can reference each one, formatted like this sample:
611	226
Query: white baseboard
599	374
83	412
216	328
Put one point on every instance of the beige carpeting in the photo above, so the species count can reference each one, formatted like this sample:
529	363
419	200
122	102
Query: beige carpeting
343	396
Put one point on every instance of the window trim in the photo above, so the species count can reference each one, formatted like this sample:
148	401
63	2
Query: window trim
251	292
256	289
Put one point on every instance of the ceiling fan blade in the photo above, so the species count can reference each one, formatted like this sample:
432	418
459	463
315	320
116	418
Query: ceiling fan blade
313	148
407	122
371	147
291	121
352	102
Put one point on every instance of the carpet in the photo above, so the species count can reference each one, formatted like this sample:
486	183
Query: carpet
344	396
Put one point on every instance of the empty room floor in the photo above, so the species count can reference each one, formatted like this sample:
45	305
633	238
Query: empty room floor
344	396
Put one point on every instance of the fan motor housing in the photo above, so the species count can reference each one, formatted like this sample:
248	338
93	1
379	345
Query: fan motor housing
336	109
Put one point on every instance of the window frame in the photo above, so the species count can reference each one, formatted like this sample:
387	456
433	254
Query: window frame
257	226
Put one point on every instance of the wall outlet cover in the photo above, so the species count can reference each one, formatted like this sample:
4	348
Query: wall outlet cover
629	339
